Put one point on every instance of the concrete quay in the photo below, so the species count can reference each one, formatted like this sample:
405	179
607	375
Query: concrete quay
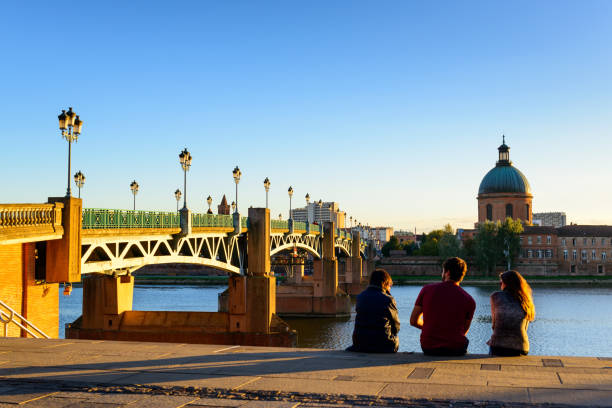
94	373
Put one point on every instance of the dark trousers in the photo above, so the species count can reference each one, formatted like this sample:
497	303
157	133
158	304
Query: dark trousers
506	352
445	351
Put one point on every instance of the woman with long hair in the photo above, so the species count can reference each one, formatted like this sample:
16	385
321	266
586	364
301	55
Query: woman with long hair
511	311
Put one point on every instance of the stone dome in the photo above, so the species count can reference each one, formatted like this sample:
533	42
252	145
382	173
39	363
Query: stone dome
504	179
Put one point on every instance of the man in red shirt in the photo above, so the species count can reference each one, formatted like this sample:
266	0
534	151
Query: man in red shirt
444	311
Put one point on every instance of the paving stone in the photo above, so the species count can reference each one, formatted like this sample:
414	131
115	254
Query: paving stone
491	367
421	373
270	404
455	392
22	395
116	398
587	381
185	380
163	401
314	386
572	397
53	402
217	402
552	362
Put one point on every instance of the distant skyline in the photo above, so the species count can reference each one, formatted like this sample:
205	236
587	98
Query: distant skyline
393	109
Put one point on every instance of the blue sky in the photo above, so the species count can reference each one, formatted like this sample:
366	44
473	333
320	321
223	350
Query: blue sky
392	109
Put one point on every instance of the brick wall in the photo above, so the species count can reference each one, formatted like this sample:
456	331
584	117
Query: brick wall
39	303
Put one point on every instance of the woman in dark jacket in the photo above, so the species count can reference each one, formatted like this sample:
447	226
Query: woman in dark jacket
377	322
511	311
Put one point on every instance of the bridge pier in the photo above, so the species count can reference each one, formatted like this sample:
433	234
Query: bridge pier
320	296
354	281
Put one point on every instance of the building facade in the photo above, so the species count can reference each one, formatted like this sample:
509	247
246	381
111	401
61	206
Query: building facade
313	213
550	219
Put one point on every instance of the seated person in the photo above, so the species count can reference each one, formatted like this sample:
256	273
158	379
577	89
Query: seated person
511	311
377	322
444	311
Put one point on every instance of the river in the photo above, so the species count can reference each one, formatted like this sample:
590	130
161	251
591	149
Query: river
571	321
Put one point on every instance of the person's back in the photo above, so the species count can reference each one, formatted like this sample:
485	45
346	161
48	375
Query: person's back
446	311
376	322
511	311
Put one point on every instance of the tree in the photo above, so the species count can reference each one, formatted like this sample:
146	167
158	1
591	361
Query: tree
410	247
429	243
508	237
391	245
486	246
495	243
448	245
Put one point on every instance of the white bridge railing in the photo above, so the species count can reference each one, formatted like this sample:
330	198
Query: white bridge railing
9	315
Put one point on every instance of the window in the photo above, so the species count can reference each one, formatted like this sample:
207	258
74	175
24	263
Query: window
600	269
489	212
574	254
548	239
584	241
573	269
529	241
509	210
573	241
593	254
548	253
539	239
603	241
565	254
592	241
583	255
563	242
539	252
521	240
529	253
603	256
527	212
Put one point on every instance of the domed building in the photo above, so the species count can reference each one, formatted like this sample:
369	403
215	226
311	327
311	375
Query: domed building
504	191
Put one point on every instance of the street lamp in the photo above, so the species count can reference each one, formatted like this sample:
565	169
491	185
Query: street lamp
307	197
79	180
233	206
267	187
185	160
209	201
134	188
177	195
320	205
290	192
70	125
236	173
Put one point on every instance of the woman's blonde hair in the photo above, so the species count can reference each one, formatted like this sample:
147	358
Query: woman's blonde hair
518	287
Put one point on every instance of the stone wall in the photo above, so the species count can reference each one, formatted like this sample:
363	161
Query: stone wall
37	302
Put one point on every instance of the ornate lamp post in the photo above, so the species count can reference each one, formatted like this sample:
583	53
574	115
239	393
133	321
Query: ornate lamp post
209	201
290	192
236	173
70	125
79	180
134	188
177	195
320	205
307	197
267	187
233	206
185	160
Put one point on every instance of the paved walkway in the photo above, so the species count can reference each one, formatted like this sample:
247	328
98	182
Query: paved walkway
81	373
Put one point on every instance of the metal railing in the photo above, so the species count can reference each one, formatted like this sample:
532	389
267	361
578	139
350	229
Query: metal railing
8	316
279	224
30	215
211	220
98	218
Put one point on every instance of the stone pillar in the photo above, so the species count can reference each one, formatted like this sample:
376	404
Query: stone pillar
105	298
329	261
297	273
64	255
252	298
356	265
185	219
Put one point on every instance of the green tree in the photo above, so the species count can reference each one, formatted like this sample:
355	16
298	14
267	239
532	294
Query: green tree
508	237
486	247
391	245
410	247
449	245
429	244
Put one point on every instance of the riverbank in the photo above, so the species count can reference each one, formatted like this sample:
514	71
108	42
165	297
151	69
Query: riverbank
49	373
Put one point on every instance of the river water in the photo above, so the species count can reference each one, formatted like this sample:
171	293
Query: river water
572	321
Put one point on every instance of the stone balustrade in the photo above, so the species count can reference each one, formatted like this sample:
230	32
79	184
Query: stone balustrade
30	222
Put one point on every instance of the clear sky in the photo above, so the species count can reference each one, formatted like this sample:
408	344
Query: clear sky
393	109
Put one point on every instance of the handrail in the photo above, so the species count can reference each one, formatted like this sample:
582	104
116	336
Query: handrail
10	318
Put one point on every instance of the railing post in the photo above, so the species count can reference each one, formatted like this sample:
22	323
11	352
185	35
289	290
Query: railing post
237	223
64	255
185	222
